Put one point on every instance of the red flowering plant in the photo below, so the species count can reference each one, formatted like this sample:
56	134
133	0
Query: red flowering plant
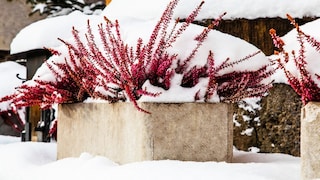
114	70
302	77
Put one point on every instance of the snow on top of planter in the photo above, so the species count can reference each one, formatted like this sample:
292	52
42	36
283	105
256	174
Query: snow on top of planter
298	56
311	54
222	45
166	65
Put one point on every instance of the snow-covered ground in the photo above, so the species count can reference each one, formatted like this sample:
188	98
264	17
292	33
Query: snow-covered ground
37	161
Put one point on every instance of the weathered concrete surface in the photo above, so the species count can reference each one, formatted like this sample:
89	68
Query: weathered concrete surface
188	131
310	138
14	15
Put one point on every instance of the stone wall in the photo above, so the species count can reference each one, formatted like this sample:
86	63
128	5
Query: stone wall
280	121
275	127
14	15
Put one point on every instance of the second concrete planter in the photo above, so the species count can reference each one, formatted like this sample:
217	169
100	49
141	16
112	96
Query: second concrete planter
310	141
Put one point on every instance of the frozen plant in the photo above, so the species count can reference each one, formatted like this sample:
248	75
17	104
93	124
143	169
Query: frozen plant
117	71
303	82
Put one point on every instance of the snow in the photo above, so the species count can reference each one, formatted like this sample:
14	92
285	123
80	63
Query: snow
247	132
44	33
37	161
34	160
250	104
39	7
249	9
9	71
311	54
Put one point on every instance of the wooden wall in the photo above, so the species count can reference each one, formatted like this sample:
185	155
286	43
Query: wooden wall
256	31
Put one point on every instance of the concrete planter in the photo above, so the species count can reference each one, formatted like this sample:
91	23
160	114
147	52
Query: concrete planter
310	141
186	131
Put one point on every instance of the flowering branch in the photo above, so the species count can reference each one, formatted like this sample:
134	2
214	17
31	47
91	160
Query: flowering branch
303	84
115	71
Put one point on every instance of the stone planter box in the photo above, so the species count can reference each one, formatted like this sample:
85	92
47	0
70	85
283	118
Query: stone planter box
310	141
185	131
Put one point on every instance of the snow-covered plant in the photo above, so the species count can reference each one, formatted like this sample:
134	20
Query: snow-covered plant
233	86
117	71
54	8
303	82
